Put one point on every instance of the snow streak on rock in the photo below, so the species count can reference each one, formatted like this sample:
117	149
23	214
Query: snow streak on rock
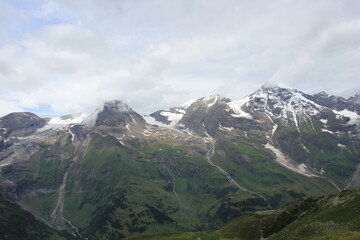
236	106
227	175
281	159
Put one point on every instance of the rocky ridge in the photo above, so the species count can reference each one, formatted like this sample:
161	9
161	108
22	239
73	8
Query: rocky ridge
260	152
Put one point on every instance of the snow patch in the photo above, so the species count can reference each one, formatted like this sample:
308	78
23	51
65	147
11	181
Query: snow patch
60	122
152	121
328	131
226	128
67	121
91	119
324	121
236	106
215	100
282	160
274	129
353	116
188	103
173	118
181	111
127	126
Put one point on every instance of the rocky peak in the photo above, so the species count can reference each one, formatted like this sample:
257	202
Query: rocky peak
334	102
204	115
355	98
114	113
279	92
173	116
322	94
279	105
284	106
116	106
20	124
170	116
205	103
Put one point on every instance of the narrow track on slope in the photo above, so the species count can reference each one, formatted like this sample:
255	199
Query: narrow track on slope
208	156
181	204
57	216
355	178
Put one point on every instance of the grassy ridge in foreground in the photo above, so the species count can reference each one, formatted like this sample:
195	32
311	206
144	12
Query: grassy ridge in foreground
315	218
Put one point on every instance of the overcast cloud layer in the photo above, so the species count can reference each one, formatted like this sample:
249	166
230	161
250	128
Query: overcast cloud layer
69	56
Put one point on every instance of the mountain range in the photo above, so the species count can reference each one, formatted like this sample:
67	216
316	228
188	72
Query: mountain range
194	167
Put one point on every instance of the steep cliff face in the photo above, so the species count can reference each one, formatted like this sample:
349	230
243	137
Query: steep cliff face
355	98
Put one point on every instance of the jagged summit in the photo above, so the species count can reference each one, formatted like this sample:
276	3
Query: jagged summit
113	113
275	89
270	85
210	98
335	102
269	103
178	115
322	93
355	98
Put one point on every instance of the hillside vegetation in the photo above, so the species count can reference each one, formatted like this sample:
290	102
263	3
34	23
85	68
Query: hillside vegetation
315	218
17	224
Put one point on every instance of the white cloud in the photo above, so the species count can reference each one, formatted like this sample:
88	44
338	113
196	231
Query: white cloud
293	72
72	55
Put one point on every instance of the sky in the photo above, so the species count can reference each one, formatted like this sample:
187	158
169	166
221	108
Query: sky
66	56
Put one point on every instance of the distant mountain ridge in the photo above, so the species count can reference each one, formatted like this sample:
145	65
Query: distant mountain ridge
193	167
355	98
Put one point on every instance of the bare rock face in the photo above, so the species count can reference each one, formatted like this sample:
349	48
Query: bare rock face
116	113
206	115
336	103
355	98
158	116
20	124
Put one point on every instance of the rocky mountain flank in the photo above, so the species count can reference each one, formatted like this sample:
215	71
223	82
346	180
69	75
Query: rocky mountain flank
355	98
193	167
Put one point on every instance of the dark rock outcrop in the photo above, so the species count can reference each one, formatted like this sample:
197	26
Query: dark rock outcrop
20	124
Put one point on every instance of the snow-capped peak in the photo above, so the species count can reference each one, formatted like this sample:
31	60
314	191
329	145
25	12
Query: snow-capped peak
188	103
114	106
237	105
210	100
284	105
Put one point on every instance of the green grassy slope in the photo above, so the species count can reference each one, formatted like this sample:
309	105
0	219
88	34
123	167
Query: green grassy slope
17	224
115	190
316	218
336	153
